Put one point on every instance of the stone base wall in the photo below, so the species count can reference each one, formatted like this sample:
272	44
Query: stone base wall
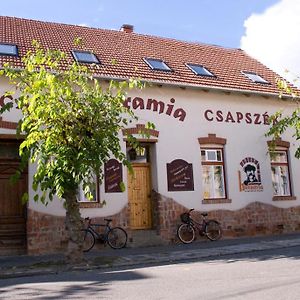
258	219
47	234
255	219
166	216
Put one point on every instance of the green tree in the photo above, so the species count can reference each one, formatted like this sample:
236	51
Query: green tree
71	125
280	121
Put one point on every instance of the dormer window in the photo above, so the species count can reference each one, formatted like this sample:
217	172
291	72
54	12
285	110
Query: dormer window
255	77
85	57
157	64
8	49
200	70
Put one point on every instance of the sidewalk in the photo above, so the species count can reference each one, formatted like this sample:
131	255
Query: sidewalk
106	258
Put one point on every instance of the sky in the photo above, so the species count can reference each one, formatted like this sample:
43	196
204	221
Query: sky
268	30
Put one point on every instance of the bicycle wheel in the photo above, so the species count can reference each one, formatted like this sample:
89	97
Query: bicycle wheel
186	233
88	240
117	238
213	230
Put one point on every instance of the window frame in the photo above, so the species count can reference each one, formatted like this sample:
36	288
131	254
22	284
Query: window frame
148	59
214	163
86	201
15	54
260	78
97	62
138	158
207	72
286	164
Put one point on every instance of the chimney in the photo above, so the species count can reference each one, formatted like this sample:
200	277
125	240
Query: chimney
127	28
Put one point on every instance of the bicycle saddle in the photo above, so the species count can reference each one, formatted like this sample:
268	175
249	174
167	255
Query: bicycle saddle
108	220
204	214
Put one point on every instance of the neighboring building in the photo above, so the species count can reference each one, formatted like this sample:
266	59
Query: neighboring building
209	151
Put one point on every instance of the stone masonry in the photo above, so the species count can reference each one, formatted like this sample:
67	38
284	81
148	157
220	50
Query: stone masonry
47	234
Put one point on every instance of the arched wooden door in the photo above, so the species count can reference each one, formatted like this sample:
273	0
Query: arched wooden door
12	211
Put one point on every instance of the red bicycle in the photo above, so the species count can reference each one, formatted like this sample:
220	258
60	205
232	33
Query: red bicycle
186	231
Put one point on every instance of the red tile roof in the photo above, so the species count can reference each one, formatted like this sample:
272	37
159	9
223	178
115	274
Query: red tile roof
129	49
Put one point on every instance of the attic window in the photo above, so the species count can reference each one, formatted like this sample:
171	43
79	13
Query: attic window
255	77
85	57
8	49
199	70
157	64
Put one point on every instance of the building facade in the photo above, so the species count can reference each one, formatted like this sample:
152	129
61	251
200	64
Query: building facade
208	151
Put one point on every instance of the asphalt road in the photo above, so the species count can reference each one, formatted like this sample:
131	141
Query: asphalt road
272	274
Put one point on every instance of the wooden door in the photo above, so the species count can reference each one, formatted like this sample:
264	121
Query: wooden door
12	211
139	195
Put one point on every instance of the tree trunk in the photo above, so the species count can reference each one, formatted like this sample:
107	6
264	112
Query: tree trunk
74	224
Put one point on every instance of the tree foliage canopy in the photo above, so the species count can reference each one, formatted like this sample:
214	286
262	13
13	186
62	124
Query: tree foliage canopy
71	121
280	122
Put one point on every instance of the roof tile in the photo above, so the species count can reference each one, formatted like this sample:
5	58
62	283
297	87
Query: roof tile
129	49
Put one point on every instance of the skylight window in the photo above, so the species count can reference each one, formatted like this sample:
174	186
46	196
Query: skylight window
157	64
8	49
85	57
255	77
199	70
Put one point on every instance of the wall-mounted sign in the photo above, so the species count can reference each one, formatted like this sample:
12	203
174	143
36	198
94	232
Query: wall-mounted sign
113	176
249	175
180	176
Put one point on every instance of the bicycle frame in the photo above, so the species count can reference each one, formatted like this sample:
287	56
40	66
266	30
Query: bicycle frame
199	226
99	236
115	237
206	227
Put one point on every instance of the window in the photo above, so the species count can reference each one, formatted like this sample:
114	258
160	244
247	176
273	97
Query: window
8	49
9	150
94	189
255	77
85	57
138	155
213	169
213	178
200	70
280	173
157	64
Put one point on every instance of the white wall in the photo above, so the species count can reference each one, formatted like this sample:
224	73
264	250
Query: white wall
179	140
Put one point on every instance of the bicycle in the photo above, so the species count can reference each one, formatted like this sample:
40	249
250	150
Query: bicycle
115	237
186	231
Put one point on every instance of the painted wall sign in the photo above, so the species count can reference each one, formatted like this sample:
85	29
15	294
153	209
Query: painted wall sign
237	117
249	176
180	176
156	105
113	176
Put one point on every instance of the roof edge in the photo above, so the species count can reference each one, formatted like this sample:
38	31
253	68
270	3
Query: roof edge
194	86
201	87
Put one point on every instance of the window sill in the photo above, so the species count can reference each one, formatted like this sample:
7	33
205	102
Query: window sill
90	205
216	201
284	198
